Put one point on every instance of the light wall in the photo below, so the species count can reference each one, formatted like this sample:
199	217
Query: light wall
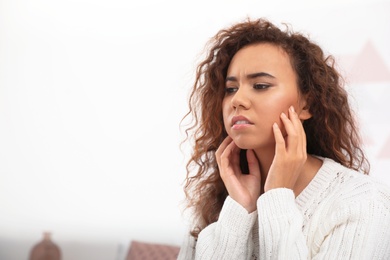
92	94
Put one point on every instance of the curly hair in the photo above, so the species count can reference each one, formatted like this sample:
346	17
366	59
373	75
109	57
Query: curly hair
331	131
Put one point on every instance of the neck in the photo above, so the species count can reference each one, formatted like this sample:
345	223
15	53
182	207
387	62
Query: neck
265	158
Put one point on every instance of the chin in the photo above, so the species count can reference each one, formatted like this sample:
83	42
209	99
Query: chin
244	144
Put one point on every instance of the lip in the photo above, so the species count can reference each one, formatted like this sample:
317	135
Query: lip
235	119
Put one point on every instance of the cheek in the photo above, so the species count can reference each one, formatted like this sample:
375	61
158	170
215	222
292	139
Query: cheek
277	107
225	113
226	126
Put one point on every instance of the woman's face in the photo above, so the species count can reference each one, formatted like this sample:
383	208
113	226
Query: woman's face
260	85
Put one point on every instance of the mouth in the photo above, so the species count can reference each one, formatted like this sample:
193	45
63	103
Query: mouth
240	120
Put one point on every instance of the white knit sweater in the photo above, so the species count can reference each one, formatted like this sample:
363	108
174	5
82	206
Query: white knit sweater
341	214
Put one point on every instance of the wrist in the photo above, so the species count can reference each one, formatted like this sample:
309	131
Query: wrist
249	206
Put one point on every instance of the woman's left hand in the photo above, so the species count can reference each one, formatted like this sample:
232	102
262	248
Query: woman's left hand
290	153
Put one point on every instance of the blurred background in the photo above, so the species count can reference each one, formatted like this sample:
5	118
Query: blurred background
91	97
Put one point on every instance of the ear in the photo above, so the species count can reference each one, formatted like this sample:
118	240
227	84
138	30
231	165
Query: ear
304	112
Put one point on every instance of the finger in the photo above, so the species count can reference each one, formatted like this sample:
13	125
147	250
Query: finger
232	152
226	154
292	136
253	163
280	145
294	117
299	128
222	148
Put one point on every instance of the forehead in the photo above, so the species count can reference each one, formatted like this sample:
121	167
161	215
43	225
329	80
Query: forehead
259	57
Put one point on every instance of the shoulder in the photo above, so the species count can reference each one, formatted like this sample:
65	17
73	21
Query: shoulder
355	188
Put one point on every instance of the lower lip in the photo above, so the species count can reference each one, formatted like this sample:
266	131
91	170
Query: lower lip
241	127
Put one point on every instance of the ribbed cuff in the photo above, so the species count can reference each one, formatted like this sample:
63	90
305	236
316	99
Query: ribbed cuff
276	203
235	218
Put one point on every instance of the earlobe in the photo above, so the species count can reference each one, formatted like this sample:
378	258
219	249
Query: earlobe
304	109
305	113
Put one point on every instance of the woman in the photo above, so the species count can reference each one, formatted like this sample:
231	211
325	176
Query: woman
277	169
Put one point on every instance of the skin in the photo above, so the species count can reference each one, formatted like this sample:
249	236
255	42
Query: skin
262	92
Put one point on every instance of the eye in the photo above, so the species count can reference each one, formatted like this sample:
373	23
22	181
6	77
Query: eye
261	86
230	90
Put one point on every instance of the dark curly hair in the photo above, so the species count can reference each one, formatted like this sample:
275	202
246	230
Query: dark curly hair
331	131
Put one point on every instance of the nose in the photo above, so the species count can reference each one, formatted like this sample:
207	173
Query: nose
241	99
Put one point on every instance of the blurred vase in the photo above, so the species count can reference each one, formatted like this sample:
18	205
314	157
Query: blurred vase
46	249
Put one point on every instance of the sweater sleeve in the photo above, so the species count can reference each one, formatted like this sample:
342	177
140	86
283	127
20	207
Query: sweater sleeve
228	238
358	230
280	226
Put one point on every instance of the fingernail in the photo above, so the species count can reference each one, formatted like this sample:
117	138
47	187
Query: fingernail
283	115
292	109
275	125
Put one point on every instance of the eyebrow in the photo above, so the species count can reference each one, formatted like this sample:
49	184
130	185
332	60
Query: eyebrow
252	76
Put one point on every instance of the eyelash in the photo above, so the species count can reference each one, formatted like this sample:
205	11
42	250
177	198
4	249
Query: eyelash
230	90
258	86
261	86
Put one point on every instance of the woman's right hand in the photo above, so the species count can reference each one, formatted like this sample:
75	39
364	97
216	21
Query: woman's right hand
243	188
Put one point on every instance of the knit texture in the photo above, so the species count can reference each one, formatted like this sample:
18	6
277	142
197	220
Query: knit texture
341	214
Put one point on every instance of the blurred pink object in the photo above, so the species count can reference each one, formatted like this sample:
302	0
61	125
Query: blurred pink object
151	251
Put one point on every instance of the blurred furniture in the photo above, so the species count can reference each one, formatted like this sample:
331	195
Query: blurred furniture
151	251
